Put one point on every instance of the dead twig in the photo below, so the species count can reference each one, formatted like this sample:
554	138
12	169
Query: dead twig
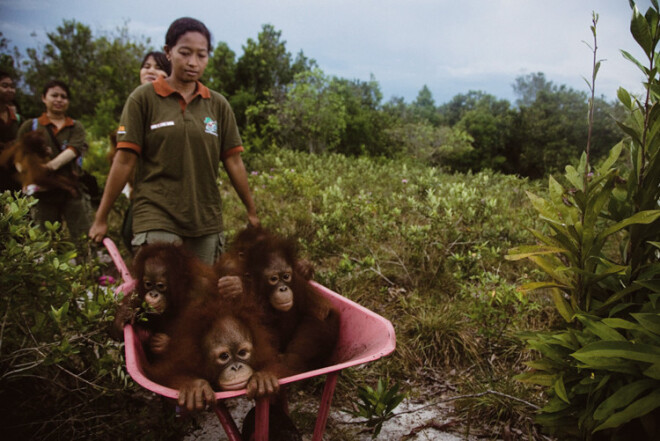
431	425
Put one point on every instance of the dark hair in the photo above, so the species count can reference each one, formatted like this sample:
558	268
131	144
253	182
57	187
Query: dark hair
161	60
56	83
186	24
4	75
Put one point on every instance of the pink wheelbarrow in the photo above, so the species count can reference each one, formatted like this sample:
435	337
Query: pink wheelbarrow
364	336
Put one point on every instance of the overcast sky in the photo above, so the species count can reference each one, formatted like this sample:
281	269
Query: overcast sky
452	46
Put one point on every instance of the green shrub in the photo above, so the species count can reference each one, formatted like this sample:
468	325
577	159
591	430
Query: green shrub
599	251
61	377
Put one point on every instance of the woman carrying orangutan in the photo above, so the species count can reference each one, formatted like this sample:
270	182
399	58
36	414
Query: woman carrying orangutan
65	138
176	131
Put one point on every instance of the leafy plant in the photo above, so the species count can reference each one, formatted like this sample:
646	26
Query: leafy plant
61	377
377	405
599	251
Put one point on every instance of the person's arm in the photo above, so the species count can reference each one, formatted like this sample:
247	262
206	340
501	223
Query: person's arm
76	146
64	157
120	172
238	177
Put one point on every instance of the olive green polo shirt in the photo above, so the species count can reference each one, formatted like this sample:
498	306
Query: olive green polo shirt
179	149
70	136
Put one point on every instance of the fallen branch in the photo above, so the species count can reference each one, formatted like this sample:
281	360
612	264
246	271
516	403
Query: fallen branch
432	425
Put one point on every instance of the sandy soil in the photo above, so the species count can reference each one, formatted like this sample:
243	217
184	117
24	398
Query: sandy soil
413	422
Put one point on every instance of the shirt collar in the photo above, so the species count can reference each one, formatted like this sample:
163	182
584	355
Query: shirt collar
44	121
163	89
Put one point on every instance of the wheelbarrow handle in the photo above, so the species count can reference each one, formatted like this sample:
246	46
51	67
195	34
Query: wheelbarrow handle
116	258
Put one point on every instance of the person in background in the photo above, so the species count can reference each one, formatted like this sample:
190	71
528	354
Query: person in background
66	138
154	65
177	132
9	124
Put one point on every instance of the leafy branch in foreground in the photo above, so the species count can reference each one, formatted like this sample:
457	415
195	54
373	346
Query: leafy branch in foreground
599	250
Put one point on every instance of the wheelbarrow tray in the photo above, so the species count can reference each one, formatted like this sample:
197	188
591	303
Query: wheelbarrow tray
364	336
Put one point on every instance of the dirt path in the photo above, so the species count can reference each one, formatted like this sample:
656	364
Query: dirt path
413	422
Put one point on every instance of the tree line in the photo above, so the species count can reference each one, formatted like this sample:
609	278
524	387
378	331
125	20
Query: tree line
282	100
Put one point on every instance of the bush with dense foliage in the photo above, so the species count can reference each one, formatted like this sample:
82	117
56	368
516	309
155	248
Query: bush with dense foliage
61	377
599	249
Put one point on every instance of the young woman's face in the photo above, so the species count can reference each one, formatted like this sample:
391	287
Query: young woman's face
189	57
56	100
7	90
150	72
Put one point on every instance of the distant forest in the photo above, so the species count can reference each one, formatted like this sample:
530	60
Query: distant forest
286	101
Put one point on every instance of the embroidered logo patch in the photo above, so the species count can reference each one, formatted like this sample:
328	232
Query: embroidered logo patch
121	130
210	126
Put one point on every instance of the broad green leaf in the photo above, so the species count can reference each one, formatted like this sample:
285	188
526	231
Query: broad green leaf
606	269
554	405
574	177
639	28
532	286
560	390
564	339
610	364
612	157
635	410
563	307
624	97
525	251
551	267
642	217
649	321
634	134
542	206
556	190
652	285
557	241
598	198
542	379
553	352
621	349
543	364
620	294
600	329
621	398
622	324
653	371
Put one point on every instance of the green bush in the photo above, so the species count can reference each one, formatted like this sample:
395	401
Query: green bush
61	377
599	250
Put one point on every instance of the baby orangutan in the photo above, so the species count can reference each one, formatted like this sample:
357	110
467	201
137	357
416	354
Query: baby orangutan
29	155
217	345
168	279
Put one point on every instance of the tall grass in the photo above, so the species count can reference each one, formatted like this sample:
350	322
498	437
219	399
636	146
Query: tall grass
423	248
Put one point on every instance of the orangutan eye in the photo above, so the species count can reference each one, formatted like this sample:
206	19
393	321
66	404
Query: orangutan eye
224	356
286	277
273	279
